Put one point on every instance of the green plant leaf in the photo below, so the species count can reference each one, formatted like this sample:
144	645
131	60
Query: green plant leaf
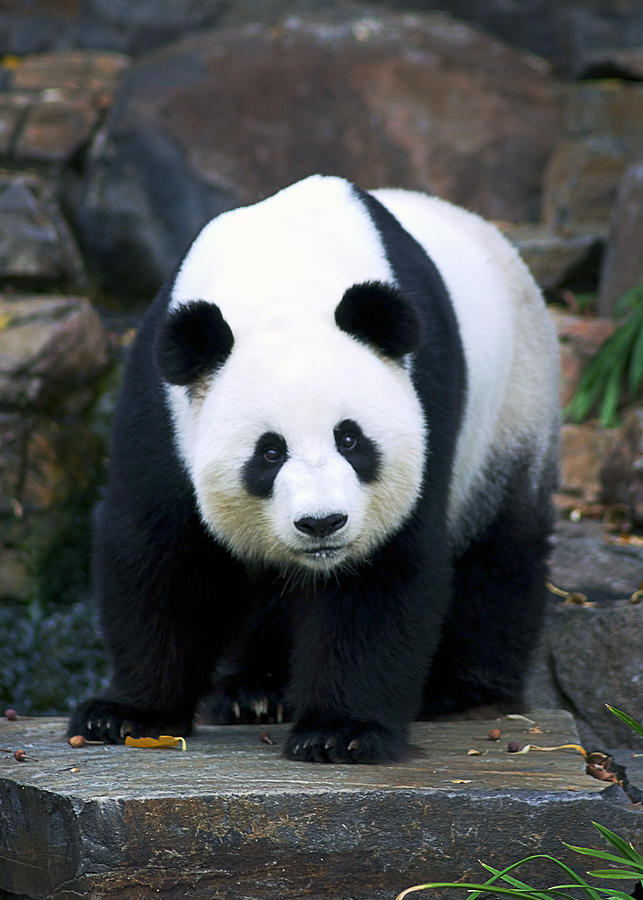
579	881
615	873
611	892
631	299
637	726
622	845
611	395
601	854
636	361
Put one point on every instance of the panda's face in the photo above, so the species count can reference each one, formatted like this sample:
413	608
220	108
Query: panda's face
306	448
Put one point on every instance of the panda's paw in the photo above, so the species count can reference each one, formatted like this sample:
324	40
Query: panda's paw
243	706
111	722
345	741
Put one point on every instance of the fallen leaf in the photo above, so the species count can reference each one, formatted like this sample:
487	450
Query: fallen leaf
459	780
474	752
576	747
165	740
516	717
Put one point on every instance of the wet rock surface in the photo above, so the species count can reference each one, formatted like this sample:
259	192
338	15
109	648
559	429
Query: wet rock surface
229	817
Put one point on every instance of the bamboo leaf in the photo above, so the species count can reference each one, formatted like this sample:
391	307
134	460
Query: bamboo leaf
637	726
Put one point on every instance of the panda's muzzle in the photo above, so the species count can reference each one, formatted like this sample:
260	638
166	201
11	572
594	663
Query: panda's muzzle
321	526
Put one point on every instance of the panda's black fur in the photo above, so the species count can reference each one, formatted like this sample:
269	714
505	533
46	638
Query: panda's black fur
424	625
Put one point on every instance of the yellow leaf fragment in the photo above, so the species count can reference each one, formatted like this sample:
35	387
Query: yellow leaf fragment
9	61
165	740
474	752
576	747
460	780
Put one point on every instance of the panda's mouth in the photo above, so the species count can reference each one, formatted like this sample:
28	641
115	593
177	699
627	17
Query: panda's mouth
323	552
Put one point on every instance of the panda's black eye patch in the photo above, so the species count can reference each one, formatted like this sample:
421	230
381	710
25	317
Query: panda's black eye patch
259	472
358	450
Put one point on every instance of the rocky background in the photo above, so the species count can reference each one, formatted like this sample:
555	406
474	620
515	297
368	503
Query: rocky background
124	127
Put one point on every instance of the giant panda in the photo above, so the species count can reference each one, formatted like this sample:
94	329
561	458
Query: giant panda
330	477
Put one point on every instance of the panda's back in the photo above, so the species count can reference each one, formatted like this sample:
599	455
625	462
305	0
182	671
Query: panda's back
508	338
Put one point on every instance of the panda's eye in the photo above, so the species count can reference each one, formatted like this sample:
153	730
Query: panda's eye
347	440
273	454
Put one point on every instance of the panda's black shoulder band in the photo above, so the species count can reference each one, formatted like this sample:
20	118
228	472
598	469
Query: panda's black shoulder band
193	341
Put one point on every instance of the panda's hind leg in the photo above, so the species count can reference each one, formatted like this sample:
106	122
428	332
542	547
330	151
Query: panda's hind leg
495	617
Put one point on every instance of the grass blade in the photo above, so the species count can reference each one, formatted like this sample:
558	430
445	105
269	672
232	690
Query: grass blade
613	873
624	716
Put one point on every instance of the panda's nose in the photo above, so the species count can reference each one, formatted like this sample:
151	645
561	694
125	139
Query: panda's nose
321	526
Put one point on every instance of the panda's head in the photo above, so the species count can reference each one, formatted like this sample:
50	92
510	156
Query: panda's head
304	438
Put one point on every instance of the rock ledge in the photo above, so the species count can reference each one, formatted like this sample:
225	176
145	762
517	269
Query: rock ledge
230	818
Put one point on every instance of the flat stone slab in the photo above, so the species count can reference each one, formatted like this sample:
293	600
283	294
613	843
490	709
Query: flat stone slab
229	818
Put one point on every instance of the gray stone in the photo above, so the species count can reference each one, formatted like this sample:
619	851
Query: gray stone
224	118
596	655
555	256
36	245
581	182
52	350
623	264
602	133
583	559
230	818
590	654
622	470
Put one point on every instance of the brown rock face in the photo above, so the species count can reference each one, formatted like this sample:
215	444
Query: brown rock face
231	116
418	100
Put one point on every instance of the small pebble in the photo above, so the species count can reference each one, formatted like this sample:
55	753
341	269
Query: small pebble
77	740
265	738
11	714
20	755
494	734
513	746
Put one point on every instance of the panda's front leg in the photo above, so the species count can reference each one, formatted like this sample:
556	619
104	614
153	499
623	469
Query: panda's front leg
164	622
360	655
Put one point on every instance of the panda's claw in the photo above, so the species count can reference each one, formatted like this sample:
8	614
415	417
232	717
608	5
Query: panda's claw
347	742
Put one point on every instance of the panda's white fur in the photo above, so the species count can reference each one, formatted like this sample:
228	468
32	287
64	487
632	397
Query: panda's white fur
277	270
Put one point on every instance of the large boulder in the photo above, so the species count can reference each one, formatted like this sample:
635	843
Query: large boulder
224	118
36	245
590	652
602	134
574	34
623	266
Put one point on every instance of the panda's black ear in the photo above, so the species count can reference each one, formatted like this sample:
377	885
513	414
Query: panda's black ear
379	315
193	341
